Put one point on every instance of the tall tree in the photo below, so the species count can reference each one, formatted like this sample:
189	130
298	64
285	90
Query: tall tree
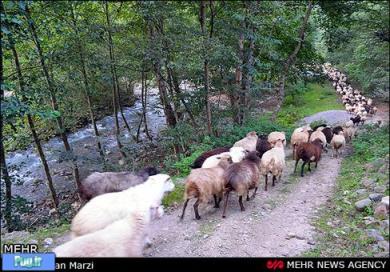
53	98
115	92
291	59
206	37
83	68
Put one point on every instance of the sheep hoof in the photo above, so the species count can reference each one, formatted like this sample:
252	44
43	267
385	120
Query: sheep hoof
243	209
223	216
216	206
197	217
301	175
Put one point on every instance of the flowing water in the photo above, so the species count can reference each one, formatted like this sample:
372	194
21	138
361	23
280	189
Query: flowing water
25	165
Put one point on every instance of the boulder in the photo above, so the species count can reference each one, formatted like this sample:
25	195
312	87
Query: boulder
362	204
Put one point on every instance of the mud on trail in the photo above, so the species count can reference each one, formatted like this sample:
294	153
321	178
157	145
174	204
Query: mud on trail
276	223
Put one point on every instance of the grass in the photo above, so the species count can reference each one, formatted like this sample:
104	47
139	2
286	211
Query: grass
40	235
307	101
342	228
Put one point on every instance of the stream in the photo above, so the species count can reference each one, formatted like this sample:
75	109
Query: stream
26	168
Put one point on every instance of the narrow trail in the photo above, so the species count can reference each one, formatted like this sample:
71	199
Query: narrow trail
275	223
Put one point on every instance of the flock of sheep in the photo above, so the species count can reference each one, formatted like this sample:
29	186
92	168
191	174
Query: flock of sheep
114	222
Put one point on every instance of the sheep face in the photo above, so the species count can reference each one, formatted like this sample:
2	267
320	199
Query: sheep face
168	185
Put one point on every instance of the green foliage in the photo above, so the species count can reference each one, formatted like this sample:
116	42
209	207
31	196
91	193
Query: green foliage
312	98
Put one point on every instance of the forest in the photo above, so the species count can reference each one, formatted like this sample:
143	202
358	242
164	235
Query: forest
114	86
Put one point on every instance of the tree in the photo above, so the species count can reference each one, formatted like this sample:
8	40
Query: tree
51	88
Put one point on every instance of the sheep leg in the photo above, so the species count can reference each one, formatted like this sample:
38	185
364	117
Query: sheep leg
316	164
196	205
225	205
184	209
296	164
273	180
266	182
303	165
309	167
241	205
215	201
247	196
254	193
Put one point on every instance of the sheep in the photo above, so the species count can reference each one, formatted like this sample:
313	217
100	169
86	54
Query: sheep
242	177
276	136
108	182
308	152
300	135
205	182
273	161
236	153
338	142
122	238
327	131
262	145
348	124
349	133
249	142
318	134
200	160
355	120
104	209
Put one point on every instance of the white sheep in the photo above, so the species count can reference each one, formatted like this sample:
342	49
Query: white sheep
122	238
249	142
337	143
107	208
236	153
318	134
276	136
273	161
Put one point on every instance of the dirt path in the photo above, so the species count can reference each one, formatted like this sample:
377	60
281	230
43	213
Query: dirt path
275	223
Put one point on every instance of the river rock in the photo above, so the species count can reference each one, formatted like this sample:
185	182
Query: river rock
381	211
384	245
368	183
361	191
375	234
48	241
361	204
375	197
385	200
380	189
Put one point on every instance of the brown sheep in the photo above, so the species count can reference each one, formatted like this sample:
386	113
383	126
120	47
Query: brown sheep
203	183
242	177
308	152
262	145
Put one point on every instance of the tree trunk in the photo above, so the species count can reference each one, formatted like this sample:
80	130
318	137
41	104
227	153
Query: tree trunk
86	85
144	93
36	139
168	111
119	99
180	95
3	164
202	19
239	81
7	180
54	103
291	60
114	85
